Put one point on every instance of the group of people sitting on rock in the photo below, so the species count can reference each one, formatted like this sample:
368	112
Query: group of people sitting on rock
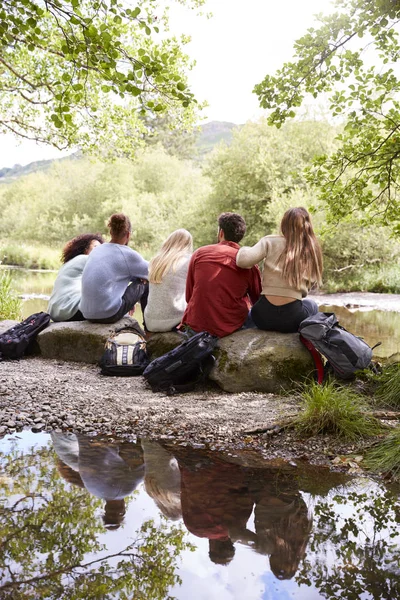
218	288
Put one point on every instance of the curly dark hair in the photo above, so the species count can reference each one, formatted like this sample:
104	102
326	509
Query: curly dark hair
233	226
79	245
119	225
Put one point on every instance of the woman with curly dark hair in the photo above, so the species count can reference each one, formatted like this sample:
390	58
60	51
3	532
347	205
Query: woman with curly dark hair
66	295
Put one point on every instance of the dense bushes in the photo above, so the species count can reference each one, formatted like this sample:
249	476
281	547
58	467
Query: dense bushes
260	175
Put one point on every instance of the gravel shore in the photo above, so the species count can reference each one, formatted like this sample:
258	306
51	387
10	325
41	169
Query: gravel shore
46	395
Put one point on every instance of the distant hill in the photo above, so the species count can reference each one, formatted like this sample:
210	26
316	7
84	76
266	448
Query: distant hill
207	138
212	134
7	175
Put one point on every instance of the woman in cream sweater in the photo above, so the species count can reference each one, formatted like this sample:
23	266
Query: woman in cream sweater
292	265
167	282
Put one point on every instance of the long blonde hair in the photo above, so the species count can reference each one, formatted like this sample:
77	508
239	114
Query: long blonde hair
302	256
178	244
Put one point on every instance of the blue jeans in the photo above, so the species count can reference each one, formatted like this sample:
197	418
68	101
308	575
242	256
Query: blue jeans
285	318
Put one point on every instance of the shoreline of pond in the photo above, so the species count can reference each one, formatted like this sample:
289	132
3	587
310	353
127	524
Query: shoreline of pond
49	395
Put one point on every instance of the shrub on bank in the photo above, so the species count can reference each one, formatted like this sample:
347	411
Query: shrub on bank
10	304
381	279
333	408
29	256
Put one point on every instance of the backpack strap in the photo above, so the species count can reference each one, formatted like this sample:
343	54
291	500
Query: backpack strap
319	365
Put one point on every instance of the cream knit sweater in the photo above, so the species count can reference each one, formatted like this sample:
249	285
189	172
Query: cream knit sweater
270	248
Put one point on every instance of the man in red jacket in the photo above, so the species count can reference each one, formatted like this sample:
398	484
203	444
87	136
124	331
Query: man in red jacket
220	294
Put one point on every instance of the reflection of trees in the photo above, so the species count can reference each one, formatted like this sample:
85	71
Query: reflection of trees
47	529
362	545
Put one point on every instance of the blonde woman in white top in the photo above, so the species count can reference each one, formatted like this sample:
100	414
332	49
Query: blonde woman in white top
167	282
292	265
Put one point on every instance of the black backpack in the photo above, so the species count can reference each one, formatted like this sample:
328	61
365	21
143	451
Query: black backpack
346	353
17	340
180	369
125	353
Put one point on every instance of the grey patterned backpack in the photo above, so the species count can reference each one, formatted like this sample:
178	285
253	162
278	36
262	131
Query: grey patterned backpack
346	353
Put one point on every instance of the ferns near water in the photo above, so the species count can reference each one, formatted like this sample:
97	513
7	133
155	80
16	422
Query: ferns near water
385	457
389	389
335	409
10	304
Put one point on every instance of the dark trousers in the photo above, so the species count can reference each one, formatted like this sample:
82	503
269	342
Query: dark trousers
78	316
137	291
286	318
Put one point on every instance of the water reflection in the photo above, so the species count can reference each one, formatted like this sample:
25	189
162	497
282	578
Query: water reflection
98	518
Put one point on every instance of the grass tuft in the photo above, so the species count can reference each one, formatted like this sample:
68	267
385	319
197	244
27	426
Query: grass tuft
385	456
10	304
333	408
388	391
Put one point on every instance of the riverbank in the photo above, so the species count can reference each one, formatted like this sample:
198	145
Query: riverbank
46	395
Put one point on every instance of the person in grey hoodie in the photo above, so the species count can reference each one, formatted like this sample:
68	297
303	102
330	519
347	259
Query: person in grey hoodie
115	277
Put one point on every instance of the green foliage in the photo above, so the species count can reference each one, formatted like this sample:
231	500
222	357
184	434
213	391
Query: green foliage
358	256
388	391
10	304
355	544
29	256
260	170
51	547
385	456
77	72
364	172
159	192
333	408
381	279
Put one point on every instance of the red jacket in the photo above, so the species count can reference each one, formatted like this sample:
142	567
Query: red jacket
219	294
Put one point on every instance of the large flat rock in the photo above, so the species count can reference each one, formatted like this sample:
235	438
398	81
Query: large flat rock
78	341
265	361
247	360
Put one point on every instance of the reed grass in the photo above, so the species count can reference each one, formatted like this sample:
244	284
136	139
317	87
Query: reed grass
385	456
10	304
388	391
335	409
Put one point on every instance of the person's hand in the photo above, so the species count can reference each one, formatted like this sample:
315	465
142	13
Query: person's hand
132	311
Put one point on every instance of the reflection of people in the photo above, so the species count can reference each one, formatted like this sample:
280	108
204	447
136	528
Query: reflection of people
66	294
216	503
69	474
218	293
111	472
167	282
115	276
292	264
67	448
162	479
282	525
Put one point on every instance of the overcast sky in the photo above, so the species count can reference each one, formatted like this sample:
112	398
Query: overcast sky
234	50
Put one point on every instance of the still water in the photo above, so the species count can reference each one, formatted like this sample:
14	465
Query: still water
100	518
374	325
